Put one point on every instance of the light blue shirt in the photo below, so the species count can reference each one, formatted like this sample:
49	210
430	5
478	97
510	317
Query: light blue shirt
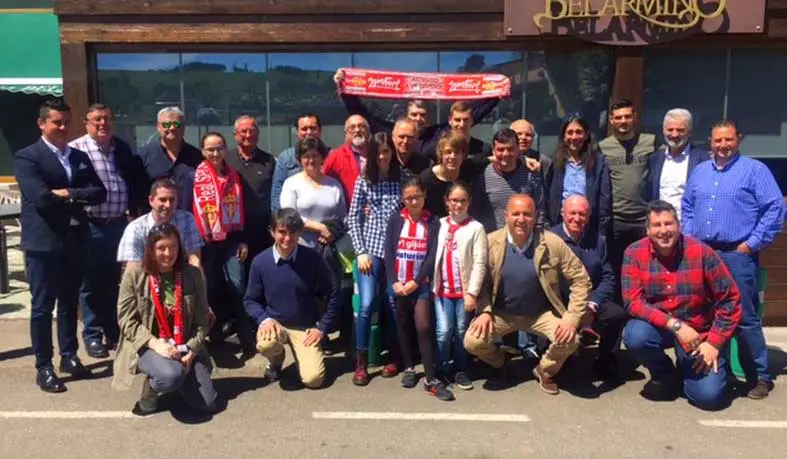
286	166
277	256
574	181
62	156
740	202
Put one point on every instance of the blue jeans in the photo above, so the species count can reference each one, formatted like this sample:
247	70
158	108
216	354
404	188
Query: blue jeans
647	343
98	295
744	268
451	326
372	292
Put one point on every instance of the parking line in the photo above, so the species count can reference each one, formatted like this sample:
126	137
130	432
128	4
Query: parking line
745	424
66	415
399	416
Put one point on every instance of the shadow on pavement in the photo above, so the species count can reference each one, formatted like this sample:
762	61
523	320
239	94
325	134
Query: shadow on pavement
777	361
10	307
16	353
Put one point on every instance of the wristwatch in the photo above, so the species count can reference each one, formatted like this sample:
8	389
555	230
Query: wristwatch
676	324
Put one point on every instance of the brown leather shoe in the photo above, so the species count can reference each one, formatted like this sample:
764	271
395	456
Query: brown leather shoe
361	375
545	382
760	391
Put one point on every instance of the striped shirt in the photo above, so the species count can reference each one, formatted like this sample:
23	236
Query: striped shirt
412	247
740	202
370	209
496	188
116	204
450	273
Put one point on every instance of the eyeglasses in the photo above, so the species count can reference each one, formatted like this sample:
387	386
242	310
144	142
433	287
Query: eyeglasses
99	119
169	124
413	198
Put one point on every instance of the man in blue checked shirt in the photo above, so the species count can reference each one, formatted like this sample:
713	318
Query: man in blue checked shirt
733	204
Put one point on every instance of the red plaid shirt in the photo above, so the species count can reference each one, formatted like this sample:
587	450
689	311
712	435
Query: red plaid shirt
693	286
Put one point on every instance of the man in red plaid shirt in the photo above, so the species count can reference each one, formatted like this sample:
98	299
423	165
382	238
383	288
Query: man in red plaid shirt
679	293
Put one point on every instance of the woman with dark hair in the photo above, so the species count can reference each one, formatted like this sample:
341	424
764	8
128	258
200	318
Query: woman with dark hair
452	165
218	210
375	198
317	197
578	168
163	315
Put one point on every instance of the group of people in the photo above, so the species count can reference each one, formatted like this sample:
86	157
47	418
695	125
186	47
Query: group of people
460	243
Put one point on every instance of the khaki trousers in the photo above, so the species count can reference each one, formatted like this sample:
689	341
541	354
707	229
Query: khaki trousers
543	325
310	359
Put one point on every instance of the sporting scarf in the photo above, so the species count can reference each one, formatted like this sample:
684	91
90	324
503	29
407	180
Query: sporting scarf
218	202
174	335
433	86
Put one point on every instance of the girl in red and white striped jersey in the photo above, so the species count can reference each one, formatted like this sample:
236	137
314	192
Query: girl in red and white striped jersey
409	256
460	267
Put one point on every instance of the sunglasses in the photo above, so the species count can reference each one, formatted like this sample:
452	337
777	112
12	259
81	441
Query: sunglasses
169	124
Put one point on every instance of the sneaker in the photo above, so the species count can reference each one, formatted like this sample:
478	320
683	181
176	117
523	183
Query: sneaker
390	370
545	381
497	378
272	373
409	379
761	390
436	388
462	381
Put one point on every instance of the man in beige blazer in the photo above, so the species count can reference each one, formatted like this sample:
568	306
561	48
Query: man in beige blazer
522	292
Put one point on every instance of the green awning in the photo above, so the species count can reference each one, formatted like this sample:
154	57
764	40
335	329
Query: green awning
30	53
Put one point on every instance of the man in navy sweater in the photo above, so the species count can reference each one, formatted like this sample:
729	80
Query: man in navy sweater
605	317
281	297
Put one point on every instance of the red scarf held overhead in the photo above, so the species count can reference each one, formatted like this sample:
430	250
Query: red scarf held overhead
218	202
172	335
433	86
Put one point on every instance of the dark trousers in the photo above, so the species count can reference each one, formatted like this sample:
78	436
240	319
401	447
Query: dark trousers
99	293
609	323
226	285
55	277
623	235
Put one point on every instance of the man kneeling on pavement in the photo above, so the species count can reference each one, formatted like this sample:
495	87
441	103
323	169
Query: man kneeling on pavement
680	294
282	298
525	268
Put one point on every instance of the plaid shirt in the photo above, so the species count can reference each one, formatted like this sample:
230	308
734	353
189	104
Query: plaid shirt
116	204
368	231
132	244
694	286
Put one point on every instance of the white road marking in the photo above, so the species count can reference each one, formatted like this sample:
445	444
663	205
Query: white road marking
396	416
745	424
66	415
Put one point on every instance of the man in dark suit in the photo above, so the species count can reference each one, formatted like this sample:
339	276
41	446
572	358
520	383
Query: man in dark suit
124	178
56	182
671	166
605	319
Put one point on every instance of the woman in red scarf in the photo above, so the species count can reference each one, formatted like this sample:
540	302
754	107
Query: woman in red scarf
163	315
218	210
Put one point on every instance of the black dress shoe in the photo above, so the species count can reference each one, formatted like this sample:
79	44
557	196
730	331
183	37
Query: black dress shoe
73	366
48	381
97	350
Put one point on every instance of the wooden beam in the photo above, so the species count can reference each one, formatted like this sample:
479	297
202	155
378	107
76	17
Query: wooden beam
629	76
213	7
436	30
76	90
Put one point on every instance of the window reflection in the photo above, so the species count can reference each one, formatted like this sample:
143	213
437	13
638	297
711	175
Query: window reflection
694	81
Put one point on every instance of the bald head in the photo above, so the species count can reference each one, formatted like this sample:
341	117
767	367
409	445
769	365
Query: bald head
576	214
520	217
525	132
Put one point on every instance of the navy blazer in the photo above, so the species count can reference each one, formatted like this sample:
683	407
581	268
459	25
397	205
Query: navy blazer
656	164
592	251
598	191
46	218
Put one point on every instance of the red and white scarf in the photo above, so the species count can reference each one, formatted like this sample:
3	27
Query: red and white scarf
218	202
173	335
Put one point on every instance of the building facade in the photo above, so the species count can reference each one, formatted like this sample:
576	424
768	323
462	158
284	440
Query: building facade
221	58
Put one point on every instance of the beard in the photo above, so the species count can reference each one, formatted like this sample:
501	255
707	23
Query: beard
676	144
358	141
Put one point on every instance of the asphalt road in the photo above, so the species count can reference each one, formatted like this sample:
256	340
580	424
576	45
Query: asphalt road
92	420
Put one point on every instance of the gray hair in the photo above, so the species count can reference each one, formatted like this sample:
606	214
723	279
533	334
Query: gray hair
680	114
244	118
171	111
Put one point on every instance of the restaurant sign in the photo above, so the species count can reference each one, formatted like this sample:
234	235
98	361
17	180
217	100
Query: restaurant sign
633	22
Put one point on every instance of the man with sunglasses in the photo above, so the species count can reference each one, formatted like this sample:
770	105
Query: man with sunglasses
170	156
124	178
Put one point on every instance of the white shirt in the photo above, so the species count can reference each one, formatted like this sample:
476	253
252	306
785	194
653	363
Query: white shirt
674	175
61	156
319	203
521	250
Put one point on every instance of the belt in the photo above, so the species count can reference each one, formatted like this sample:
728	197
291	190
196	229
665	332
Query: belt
724	246
104	221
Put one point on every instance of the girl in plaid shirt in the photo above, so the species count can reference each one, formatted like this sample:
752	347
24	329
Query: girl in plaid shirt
375	198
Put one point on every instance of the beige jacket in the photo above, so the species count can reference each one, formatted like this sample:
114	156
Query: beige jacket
553	260
471	242
136	314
